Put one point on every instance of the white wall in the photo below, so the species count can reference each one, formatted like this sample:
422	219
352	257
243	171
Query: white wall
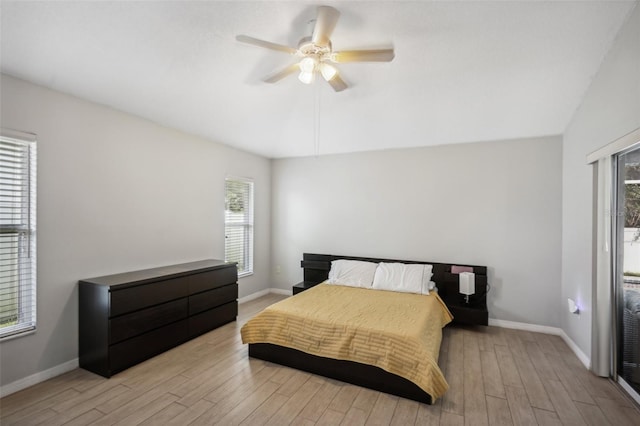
610	109
494	203
117	193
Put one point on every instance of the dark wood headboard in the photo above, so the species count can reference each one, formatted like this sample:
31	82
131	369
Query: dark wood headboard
316	269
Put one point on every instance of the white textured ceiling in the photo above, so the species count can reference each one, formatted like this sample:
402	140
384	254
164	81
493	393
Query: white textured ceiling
463	71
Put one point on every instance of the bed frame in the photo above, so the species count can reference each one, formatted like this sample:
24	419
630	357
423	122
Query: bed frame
316	269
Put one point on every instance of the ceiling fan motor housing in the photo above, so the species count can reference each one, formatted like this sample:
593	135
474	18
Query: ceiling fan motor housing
306	47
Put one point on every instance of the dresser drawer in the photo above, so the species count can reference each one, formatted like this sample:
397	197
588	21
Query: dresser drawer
208	320
130	325
212	298
211	279
138	297
132	351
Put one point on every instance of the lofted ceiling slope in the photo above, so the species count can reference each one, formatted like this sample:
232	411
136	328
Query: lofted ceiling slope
464	71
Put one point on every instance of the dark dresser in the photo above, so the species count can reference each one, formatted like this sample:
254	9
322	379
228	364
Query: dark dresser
127	318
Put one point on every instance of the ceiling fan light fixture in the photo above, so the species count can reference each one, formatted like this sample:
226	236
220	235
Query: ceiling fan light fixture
328	71
308	64
306	77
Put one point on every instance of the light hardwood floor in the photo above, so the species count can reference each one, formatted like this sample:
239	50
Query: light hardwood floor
496	376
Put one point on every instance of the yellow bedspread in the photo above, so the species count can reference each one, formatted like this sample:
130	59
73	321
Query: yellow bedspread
398	332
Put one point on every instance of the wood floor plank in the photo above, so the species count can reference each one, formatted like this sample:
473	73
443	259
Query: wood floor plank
344	398
239	384
223	374
165	415
540	362
330	418
451	419
545	343
73	408
366	399
560	345
521	410
147	411
564	405
491	377
515	342
92	397
532	383
34	417
573	386
226	365
190	415
297	401
429	415
601	387
264	412
497	335
314	409
133	401
355	417
84	380
616	414
508	369
382	411
498	411
42	404
237	393
291	386
592	414
453	400
85	419
526	336
301	421
241	409
405	413
547	418
475	406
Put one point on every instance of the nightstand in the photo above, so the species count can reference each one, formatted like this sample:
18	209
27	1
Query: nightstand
475	312
302	286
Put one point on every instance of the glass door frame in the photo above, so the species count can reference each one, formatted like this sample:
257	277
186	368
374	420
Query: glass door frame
617	269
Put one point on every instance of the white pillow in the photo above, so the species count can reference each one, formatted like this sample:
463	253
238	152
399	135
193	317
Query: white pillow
353	273
405	278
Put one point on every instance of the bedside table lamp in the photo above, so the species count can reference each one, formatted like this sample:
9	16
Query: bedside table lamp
467	284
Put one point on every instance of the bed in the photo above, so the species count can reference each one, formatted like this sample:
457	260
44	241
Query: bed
383	340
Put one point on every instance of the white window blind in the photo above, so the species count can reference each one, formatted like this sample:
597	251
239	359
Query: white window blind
17	233
238	221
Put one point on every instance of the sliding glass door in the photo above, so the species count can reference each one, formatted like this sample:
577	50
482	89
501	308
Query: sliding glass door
626	268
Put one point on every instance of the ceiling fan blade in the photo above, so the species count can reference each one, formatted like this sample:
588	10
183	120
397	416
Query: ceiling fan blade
380	55
325	23
266	44
274	78
337	83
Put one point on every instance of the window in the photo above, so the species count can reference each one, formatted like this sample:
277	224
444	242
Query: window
238	224
17	233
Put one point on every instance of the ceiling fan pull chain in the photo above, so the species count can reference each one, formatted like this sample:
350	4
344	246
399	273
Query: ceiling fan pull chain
316	120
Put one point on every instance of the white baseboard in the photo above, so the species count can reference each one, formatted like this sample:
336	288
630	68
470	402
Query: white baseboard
631	391
36	378
525	326
252	296
281	291
576	350
264	292
584	359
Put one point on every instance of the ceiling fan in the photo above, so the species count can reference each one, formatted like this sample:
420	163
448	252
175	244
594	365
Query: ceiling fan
316	54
